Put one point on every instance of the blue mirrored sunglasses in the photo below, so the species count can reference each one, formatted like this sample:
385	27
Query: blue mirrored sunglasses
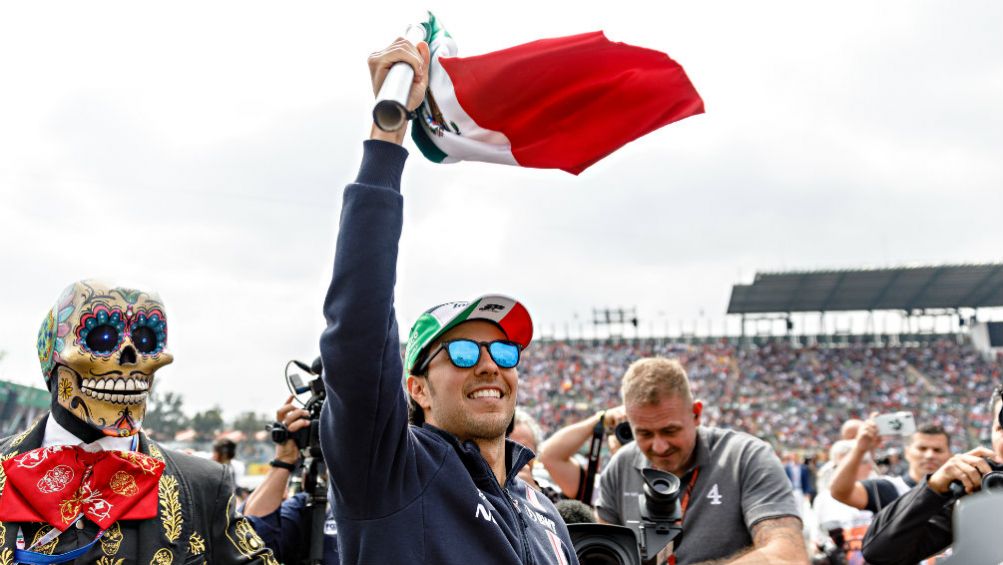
466	353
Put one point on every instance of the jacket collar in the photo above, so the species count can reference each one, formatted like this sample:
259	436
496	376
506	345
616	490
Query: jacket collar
516	455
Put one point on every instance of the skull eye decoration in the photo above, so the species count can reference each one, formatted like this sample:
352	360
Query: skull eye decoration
103	330
100	331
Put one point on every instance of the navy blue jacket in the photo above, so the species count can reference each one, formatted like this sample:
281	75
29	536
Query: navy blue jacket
287	534
406	494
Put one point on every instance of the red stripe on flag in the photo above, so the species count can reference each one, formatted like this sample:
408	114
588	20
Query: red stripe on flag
567	102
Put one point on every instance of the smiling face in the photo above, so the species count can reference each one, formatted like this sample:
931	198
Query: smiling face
99	348
475	403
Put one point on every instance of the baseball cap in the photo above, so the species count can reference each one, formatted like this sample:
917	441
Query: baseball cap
509	314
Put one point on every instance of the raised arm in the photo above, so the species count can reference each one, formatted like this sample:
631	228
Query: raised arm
844	486
364	424
558	451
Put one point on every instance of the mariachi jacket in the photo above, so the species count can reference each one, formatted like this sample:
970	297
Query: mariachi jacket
196	522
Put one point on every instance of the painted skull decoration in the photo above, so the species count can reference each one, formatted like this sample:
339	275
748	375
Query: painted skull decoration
99	347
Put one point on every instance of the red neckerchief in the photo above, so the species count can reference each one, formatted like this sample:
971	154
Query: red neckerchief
683	503
58	484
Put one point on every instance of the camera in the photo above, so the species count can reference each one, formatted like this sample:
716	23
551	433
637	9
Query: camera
304	438
623	433
993	480
661	516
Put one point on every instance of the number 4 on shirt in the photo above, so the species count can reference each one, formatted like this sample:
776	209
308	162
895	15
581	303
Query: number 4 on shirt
714	495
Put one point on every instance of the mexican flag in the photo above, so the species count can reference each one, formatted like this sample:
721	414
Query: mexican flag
560	103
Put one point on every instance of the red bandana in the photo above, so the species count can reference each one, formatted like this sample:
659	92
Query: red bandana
56	484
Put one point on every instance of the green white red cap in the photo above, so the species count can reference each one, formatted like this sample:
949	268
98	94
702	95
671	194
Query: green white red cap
509	314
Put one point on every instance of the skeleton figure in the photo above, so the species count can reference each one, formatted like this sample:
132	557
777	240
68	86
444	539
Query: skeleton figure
99	348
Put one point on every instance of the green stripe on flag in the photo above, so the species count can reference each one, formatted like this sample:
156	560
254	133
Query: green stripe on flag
428	147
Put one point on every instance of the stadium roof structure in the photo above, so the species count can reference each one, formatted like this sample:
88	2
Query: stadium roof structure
24	395
907	288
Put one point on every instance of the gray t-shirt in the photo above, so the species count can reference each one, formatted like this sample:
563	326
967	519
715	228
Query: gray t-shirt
740	482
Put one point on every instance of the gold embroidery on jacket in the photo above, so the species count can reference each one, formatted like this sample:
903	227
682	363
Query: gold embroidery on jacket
155	451
163	556
104	560
196	545
111	540
6	556
247	541
170	507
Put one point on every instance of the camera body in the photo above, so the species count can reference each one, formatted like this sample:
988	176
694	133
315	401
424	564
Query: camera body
661	518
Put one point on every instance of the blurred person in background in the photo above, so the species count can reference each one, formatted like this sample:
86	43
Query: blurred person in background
839	529
281	521
926	450
559	454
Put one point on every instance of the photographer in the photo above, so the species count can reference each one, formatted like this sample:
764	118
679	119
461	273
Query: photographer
736	501
557	454
918	524
282	522
426	477
927	449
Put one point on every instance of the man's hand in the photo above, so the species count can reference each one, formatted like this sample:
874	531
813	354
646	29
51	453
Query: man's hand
379	65
966	468
867	435
613	417
294	419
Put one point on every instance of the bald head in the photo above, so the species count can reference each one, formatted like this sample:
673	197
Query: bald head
850	428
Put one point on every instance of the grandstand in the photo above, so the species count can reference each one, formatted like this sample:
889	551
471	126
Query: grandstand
19	406
795	390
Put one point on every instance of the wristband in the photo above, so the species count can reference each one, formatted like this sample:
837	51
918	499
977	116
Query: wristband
283	465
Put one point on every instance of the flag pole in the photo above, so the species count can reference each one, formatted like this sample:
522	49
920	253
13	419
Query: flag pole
390	112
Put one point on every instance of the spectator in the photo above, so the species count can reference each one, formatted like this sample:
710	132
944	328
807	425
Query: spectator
737	503
928	448
839	528
284	523
559	454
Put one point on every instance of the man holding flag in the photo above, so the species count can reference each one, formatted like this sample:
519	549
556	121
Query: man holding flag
445	491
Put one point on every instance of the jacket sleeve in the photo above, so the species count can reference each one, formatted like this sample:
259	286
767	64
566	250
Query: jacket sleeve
281	531
233	537
913	527
364	429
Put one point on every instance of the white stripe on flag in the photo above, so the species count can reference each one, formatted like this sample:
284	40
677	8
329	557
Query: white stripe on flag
474	142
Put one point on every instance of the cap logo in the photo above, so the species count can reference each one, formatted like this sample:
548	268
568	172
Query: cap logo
491	308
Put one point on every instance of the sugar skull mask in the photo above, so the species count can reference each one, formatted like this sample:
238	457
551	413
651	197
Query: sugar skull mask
99	348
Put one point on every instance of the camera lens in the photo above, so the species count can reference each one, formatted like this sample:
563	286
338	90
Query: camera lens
623	433
992	481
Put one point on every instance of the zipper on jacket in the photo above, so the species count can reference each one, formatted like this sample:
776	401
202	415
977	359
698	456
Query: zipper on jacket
527	556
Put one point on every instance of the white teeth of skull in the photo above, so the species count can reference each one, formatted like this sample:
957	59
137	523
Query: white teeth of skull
119	385
99	385
130	384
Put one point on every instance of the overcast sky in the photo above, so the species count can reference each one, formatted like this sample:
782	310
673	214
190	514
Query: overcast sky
200	148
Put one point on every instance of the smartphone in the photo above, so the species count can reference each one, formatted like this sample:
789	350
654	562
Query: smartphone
896	424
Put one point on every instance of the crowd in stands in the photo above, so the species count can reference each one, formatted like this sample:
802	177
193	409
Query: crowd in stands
792	396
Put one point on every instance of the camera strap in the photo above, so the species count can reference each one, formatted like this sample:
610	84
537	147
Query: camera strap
683	503
595	447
